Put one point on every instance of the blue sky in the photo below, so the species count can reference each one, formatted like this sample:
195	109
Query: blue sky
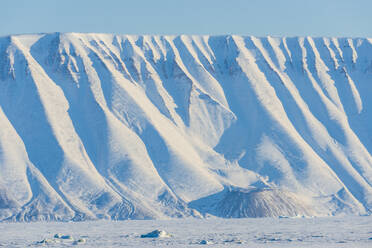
352	18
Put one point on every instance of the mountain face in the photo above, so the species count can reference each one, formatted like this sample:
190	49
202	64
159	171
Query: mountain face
116	127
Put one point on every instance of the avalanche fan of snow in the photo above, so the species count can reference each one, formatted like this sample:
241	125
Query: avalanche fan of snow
100	126
238	203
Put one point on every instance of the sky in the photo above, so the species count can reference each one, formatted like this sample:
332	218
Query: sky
340	18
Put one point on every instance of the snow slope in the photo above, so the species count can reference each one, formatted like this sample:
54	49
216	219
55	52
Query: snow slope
117	127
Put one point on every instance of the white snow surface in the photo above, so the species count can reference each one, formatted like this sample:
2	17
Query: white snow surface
100	126
319	232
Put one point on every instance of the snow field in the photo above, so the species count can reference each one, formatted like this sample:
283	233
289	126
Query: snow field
263	232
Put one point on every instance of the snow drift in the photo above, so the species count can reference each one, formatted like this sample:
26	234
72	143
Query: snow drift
117	127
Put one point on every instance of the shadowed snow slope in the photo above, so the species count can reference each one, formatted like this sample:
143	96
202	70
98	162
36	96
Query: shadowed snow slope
117	127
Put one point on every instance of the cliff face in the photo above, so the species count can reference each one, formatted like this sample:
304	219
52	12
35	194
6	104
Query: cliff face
113	126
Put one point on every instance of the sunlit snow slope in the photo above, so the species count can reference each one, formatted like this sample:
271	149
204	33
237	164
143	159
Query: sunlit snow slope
117	127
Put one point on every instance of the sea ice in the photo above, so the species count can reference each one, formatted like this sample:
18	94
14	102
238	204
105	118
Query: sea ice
156	234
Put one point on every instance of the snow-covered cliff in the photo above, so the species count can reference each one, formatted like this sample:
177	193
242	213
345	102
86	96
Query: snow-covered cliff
115	126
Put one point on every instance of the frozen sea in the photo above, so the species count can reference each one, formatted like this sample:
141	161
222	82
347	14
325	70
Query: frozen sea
264	232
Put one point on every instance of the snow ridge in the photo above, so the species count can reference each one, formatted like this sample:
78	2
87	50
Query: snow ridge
101	126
